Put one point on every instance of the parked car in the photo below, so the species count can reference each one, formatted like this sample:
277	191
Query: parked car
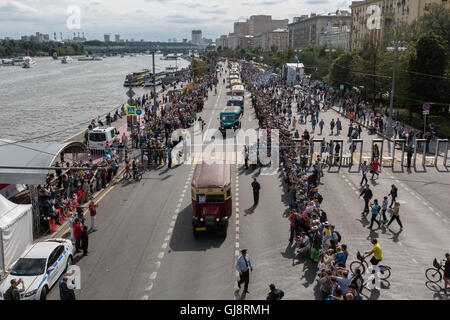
40	268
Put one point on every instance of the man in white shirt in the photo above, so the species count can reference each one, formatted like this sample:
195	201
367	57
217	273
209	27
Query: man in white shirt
244	266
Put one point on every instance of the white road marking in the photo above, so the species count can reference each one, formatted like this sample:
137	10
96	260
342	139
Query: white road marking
167	238
237	198
150	287
237	244
237	236
237	204
414	260
353	188
431	208
177	211
174	216
437	213
400	243
237	209
237	215
161	255
153	275
406	189
172	223
144	298
418	198
179	205
236	253
237	229
164	245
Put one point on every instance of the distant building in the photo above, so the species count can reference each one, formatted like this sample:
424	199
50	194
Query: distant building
196	36
275	38
107	38
132	40
117	38
336	37
174	40
304	31
393	14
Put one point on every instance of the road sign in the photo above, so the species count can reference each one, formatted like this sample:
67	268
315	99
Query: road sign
131	93
341	87
426	107
138	112
131	111
425	112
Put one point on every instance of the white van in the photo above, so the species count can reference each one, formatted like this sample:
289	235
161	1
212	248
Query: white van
100	137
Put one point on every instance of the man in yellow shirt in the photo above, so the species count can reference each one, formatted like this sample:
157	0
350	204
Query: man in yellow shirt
376	251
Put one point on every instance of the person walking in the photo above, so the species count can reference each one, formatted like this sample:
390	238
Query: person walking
384	207
66	289
77	230
374	168
364	169
84	240
274	294
244	266
367	195
93	214
321	124
395	215
246	155
332	124
375	210
409	155
393	194
256	187
338	126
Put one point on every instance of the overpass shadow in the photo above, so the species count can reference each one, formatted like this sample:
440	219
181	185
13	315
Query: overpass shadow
183	236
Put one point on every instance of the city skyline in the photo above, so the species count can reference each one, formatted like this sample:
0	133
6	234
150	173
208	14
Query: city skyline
152	20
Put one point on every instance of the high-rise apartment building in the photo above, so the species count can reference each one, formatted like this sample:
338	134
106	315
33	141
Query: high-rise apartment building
117	37
107	38
196	36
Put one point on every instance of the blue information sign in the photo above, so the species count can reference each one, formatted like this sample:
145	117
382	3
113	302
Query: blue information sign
138	112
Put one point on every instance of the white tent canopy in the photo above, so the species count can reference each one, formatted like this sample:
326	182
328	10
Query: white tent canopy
16	231
26	154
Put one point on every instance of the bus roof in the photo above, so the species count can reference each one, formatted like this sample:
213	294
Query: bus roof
238	87
233	109
214	175
236	98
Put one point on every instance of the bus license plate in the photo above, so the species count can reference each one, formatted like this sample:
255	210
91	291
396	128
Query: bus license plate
200	229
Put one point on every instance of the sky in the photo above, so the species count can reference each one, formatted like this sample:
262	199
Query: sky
151	20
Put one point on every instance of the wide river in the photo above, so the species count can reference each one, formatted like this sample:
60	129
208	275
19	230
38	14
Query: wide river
54	101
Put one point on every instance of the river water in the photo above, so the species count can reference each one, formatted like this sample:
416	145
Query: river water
56	100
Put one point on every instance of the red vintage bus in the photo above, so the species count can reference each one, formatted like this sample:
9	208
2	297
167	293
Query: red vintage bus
211	197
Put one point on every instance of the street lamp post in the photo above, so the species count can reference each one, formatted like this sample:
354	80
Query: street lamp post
329	64
396	47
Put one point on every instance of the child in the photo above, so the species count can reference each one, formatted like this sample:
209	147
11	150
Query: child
384	208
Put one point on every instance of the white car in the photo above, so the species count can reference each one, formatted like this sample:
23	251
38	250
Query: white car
40	268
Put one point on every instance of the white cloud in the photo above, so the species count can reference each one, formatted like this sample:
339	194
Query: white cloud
149	19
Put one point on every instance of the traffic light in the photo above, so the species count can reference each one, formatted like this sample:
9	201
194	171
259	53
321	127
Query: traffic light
129	123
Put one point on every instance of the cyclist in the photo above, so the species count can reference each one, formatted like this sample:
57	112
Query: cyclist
376	251
134	167
446	267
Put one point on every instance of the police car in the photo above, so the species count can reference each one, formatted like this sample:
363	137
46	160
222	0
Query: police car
40	268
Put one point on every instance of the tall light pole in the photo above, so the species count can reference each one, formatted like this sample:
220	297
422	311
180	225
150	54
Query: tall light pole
396	47
329	65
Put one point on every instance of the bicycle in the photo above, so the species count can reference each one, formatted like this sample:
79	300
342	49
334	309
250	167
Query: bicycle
129	173
362	264
434	274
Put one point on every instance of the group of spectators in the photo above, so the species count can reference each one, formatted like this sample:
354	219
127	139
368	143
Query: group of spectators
314	236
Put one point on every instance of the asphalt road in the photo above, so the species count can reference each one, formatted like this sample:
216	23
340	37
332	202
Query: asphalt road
144	247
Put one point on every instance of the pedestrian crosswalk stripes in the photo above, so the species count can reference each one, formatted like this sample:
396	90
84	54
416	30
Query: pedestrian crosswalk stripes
228	157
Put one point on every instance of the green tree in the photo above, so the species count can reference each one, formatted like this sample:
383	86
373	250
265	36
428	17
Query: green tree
427	66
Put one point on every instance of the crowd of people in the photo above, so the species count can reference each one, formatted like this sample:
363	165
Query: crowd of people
311	233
